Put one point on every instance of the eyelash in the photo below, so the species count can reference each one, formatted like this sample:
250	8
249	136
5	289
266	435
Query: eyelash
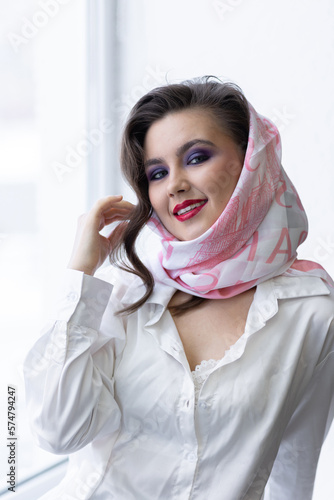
199	156
154	173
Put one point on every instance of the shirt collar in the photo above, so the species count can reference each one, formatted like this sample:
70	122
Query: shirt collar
159	301
267	295
287	287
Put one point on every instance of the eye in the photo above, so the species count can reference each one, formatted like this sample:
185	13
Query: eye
196	158
157	174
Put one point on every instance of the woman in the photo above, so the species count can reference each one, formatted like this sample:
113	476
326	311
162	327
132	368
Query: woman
200	364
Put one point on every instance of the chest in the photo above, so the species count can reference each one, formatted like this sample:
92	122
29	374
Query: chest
208	330
152	381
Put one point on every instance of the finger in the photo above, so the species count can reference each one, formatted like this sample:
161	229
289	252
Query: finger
104	203
108	199
121	205
116	213
107	210
119	213
116	217
111	220
96	215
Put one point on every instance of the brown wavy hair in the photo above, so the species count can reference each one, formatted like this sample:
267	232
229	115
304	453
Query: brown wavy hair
227	104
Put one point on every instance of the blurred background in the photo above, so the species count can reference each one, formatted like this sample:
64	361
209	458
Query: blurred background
70	72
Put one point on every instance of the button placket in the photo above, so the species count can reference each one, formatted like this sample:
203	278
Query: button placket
192	457
187	422
72	296
176	348
203	405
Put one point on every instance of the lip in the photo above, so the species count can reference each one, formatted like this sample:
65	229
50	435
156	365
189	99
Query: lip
186	204
191	213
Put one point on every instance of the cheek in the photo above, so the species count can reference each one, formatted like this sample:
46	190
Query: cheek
235	169
219	184
155	197
151	196
224	180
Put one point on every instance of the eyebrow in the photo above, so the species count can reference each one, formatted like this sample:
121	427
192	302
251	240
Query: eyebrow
179	152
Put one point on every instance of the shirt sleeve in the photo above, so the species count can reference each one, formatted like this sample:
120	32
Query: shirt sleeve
294	470
69	371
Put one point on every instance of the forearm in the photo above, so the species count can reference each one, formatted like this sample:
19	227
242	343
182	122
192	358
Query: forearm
69	393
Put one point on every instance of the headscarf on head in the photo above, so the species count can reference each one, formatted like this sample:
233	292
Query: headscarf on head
255	238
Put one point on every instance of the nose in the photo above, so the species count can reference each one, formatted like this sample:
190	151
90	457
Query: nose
177	182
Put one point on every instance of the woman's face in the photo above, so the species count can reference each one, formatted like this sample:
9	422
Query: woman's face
192	169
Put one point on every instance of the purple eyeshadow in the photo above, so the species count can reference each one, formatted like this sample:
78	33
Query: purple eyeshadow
155	170
196	153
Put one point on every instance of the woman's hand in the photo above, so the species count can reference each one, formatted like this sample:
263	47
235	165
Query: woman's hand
90	247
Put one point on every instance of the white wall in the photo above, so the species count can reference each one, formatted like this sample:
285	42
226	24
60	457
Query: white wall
282	56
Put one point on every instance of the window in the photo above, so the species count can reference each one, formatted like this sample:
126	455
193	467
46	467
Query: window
70	72
43	114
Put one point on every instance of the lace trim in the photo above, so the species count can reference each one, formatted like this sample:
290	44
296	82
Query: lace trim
203	370
201	373
204	366
236	350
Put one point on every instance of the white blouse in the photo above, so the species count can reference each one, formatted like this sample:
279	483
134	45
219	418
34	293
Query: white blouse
117	394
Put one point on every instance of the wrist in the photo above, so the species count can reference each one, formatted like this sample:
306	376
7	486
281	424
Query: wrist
84	269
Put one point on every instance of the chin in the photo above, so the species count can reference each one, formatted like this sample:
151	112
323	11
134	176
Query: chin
190	235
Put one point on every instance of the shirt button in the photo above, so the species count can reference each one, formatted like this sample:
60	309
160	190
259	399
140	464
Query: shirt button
192	457
72	296
203	405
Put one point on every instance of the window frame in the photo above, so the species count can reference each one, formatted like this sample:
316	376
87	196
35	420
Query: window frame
102	170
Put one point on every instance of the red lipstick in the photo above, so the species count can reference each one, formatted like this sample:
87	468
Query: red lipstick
188	209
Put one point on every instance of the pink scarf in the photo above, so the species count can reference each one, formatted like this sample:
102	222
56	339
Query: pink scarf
254	239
